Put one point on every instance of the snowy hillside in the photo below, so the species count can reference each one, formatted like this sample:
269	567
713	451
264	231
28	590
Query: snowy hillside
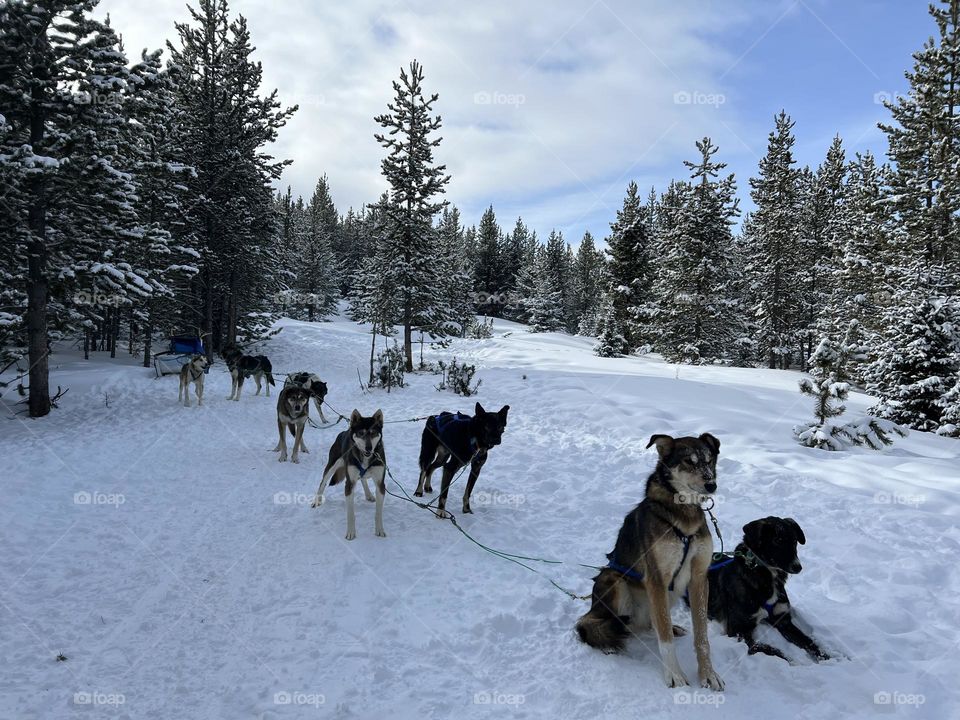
180	570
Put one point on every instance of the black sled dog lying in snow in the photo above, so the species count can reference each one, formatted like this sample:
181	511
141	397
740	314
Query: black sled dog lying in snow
451	441
750	588
663	550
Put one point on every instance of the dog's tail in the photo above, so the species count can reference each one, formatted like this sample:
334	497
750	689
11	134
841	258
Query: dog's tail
603	627
270	378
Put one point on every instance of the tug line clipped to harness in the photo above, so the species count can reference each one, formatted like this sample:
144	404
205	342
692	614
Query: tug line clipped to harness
510	557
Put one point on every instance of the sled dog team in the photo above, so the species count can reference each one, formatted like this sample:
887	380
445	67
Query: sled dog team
663	551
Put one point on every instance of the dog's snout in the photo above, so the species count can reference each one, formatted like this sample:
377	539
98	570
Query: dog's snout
710	486
795	567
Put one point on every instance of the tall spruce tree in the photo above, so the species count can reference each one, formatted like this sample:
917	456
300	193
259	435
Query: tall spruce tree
415	181
629	268
489	272
317	270
694	315
773	243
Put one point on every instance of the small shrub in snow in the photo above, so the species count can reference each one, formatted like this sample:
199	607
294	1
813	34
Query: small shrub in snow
388	368
458	377
480	329
828	386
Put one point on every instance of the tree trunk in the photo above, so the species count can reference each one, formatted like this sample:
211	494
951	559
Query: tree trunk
147	337
86	343
373	347
114	331
208	313
37	306
408	343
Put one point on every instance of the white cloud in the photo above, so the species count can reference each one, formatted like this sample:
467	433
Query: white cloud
549	108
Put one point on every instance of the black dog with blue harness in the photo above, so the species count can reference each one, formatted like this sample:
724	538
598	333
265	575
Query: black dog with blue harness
450	441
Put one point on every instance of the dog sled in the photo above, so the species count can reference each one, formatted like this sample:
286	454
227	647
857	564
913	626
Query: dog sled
179	352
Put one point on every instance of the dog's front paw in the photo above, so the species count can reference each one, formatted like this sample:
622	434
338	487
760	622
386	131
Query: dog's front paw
428	489
351	534
443	515
710	680
283	457
317	501
418	494
370	498
679	631
295	458
467	510
674	677
381	532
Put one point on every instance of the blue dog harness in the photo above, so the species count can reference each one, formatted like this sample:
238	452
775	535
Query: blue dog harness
637	575
444	423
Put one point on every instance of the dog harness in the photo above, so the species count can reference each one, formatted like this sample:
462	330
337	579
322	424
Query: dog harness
637	575
722	560
363	470
443	424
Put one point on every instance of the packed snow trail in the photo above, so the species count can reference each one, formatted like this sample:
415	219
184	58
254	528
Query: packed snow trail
179	568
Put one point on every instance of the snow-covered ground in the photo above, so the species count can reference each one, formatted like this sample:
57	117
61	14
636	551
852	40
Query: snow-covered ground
179	568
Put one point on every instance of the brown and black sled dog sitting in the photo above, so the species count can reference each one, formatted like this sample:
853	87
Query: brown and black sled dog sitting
663	550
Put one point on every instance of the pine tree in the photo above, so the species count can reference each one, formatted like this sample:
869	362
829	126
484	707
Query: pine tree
829	392
918	362
773	247
829	386
415	181
489	272
611	342
63	77
825	228
693	318
457	273
589	279
226	124
317	270
544	306
629	268
924	146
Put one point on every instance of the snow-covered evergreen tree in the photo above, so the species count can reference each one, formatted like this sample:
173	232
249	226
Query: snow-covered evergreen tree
490	280
589	280
610	340
457	274
415	181
695	316
772	246
544	305
317	269
629	268
918	362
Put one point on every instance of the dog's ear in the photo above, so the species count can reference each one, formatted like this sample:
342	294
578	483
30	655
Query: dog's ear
801	538
664	444
753	533
503	414
478	410
378	418
711	442
355	417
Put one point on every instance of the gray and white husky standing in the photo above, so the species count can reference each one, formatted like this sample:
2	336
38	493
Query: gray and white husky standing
358	452
192	372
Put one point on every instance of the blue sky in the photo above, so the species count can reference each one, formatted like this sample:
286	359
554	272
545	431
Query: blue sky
551	108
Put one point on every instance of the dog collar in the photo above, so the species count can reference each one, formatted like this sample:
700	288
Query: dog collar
749	558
